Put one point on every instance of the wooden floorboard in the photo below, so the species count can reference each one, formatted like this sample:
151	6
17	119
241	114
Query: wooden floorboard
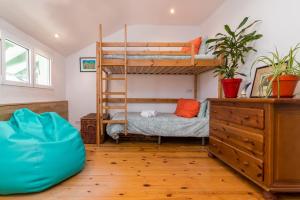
148	171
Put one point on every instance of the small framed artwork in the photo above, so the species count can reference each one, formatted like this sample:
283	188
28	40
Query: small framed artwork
87	64
260	83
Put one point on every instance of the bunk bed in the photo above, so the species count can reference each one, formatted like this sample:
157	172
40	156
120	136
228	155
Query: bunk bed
123	58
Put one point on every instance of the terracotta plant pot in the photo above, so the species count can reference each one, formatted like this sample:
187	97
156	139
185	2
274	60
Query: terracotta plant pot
287	85
231	87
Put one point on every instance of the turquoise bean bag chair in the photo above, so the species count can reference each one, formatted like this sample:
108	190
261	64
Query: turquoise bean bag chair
37	152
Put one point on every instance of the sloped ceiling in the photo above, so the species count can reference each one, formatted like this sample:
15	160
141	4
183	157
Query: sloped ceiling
76	21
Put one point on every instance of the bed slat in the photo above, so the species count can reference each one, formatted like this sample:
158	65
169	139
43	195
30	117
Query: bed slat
147	44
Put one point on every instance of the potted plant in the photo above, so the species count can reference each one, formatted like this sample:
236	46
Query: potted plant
285	73
233	46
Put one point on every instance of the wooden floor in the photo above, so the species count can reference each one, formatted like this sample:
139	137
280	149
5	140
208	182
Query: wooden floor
147	171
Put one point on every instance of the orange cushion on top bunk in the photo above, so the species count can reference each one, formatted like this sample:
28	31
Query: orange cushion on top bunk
187	108
197	43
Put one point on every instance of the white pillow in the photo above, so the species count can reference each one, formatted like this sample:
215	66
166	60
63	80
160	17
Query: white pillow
203	109
203	47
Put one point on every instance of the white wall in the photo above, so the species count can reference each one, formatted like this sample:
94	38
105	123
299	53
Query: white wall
156	86
81	87
279	25
14	94
207	85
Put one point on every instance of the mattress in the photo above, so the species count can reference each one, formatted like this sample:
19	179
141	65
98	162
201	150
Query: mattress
164	124
160	57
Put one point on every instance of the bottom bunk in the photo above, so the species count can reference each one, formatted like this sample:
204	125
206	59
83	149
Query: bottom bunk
163	125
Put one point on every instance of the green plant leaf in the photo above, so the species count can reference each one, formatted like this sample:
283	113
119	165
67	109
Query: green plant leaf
229	31
232	47
281	65
211	40
243	22
241	74
247	27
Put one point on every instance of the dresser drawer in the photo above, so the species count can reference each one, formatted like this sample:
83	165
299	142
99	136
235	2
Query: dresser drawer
245	140
251	117
239	160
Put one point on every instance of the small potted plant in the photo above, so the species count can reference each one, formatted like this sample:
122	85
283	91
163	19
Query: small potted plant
233	46
285	73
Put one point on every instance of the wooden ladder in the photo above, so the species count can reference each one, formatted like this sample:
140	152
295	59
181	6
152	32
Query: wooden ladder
101	93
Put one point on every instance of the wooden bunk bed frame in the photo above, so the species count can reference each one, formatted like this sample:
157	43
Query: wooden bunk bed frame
107	67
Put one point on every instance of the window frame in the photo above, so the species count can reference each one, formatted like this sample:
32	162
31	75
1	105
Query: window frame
32	50
22	44
45	55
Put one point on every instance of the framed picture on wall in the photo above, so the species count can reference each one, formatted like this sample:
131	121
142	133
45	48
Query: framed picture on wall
260	82
87	64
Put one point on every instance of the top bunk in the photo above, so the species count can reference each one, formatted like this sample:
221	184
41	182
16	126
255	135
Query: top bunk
152	58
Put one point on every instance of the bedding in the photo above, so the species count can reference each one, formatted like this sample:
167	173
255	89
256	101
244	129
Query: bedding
204	46
164	124
197	43
148	113
160	57
203	112
187	108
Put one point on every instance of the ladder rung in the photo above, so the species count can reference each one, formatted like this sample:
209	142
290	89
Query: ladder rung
114	121
119	64
114	100
114	79
114	107
114	93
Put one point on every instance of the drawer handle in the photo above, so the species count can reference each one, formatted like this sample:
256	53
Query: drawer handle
246	140
215	129
247	117
246	163
214	145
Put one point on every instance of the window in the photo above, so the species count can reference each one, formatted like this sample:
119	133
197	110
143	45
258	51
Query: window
23	65
16	63
42	73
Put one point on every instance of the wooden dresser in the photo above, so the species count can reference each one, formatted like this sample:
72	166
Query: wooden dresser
260	138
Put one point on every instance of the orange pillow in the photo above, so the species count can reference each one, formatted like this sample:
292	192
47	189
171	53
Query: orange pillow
187	108
197	43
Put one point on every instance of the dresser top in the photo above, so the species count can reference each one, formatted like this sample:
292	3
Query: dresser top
258	100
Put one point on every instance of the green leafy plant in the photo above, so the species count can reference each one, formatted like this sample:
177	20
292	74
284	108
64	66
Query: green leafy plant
233	46
281	65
